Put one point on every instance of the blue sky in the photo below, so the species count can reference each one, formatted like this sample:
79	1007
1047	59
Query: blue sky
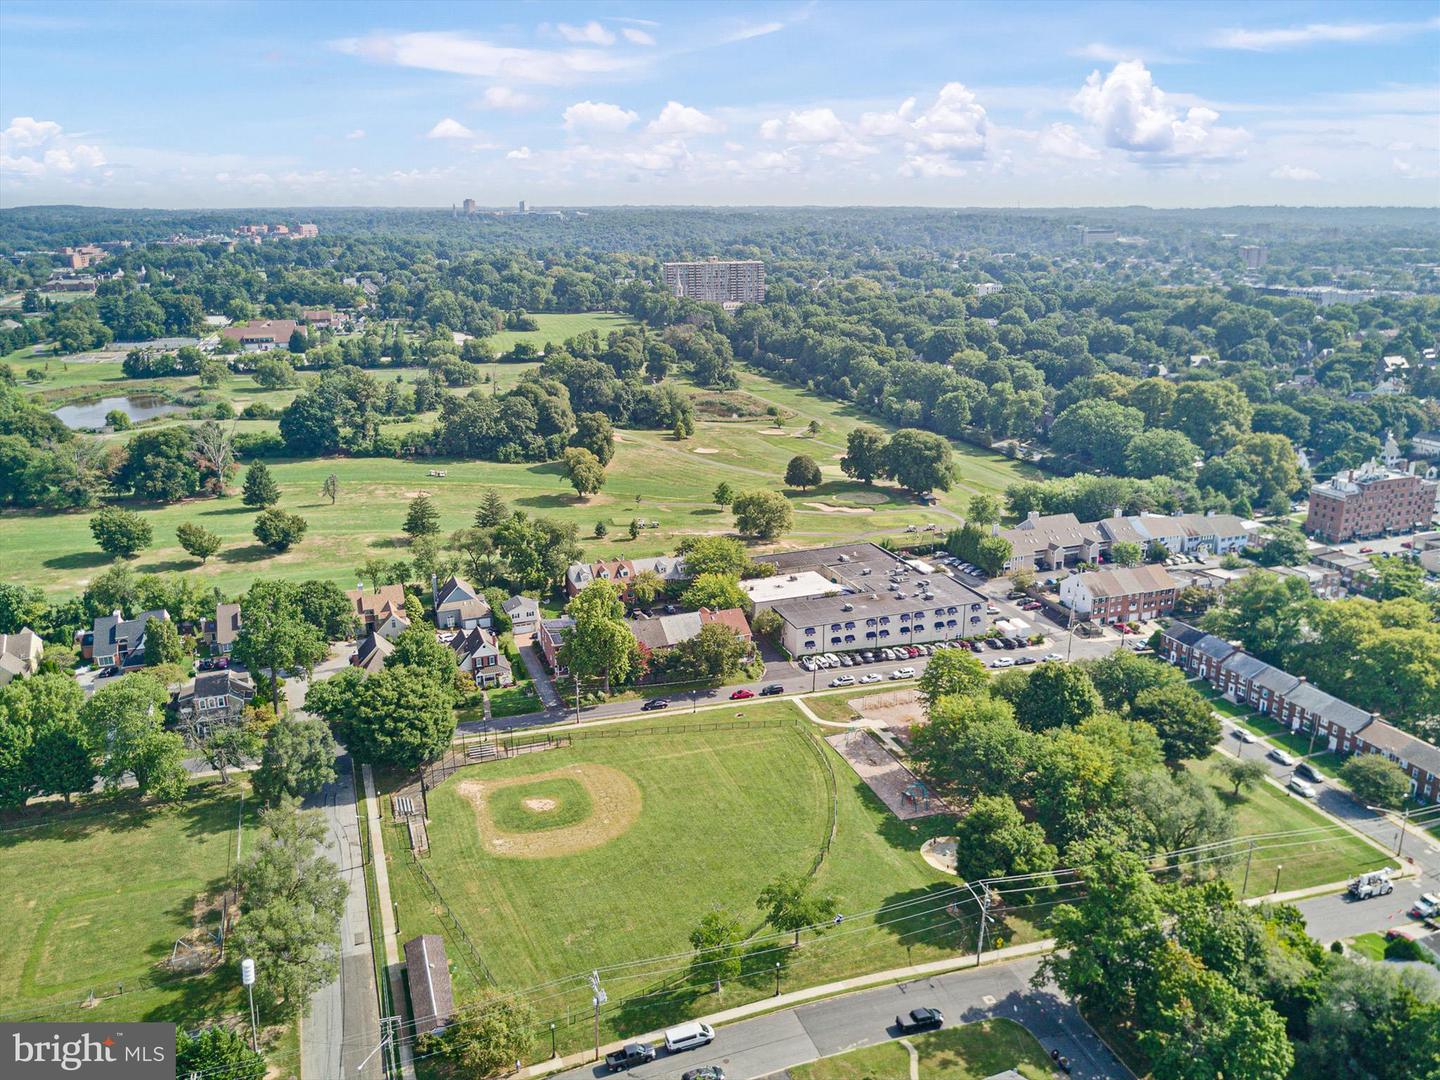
1000	104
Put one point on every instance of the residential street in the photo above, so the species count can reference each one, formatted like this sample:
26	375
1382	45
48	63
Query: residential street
770	1044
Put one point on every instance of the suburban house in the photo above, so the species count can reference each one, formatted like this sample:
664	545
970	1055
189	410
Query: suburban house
20	654
120	642
550	637
432	1002
1332	724
1051	541
477	652
215	698
459	606
325	319
370	654
394	625
524	615
373	608
261	335
670	568
670	630
1322	581
220	632
1124	595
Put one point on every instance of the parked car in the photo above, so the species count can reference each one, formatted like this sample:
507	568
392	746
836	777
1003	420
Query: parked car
1021	661
688	1036
924	1019
873	676
845	660
109	673
1049	657
903	673
832	659
704	1072
771	690
1003	662
1244	736
741	695
655	703
1276	754
628	1055
1033	605
1301	788
1310	772
843	680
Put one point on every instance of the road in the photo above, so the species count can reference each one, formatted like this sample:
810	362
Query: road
767	1045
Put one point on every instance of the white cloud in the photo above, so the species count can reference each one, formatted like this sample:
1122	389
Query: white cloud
1293	172
1135	115
1410	171
677	119
955	124
26	131
750	30
519	154
887	124
637	37
1064	141
931	167
450	129
597	116
464	54
592	33
807	126
358	133
1287	37
504	97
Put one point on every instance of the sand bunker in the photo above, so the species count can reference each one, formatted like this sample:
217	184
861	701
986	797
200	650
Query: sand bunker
827	508
616	800
705	450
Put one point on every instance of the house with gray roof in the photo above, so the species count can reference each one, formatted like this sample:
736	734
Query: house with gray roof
1244	678
478	654
459	606
120	642
370	654
215	699
524	613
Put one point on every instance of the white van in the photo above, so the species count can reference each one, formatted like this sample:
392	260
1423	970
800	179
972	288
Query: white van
688	1036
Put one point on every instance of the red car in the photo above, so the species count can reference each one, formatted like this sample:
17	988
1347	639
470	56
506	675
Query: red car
1366	550
741	695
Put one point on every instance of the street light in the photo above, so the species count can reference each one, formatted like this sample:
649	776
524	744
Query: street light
553	1051
1404	821
777	978
1278	868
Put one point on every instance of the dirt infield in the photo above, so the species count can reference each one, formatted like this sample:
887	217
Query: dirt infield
892	708
617	803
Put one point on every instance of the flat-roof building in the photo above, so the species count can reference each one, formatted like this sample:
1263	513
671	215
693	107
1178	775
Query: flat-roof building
718	281
1370	501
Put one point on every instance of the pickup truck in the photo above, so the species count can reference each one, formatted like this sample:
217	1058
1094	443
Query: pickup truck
628	1055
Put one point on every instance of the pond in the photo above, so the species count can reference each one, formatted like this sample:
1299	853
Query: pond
138	407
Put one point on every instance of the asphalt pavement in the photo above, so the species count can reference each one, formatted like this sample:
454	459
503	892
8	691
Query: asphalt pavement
770	1044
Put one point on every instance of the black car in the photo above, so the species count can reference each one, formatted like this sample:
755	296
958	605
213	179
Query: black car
110	673
1310	772
655	703
920	1020
771	690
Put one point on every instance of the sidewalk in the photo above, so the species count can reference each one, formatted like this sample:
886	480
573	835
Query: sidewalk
393	967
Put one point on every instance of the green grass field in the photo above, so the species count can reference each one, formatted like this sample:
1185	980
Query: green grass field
968	1052
651	477
721	813
558	328
95	899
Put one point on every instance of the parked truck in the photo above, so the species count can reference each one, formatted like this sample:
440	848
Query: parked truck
1373	883
628	1055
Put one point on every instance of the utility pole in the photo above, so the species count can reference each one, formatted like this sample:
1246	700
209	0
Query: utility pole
984	918
247	976
1248	856
577	698
598	997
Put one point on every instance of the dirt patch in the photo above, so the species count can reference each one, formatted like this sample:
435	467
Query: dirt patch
540	806
704	450
616	800
893	709
827	508
939	852
897	787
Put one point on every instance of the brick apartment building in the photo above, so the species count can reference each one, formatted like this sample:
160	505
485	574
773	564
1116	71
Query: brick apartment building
1369	501
1124	595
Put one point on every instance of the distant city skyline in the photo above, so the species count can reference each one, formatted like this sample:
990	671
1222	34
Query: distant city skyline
964	104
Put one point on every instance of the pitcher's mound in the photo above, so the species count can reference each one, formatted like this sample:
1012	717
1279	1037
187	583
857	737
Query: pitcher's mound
615	803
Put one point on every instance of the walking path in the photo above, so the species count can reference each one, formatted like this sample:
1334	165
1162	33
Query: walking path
393	968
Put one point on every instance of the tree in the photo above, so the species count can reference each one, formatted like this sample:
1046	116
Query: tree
159	466
1284	545
278	530
276	635
417	647
594	432
802	472
1022	578
59	761
162	643
1183	719
197	540
1376	780
291	899
215	450
492	510
1056	695
127	720
273	373
994	840
952	671
633	529
714	555
1214	414
864	453
919	461
973	746
1373	1021
790	905
1097	430
1126	553
422	518
400	716
716	941
715	652
298	759
1161	452
494	1031
992	553
330	488
260	489
714	591
1264	612
324	605
298	342
120	532
230	746
1397	578
217	1053
983	510
1243	773
584	470
600	644
724	494
765	515
645	586
1121	675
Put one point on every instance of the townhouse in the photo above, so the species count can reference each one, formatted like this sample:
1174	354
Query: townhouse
1120	596
220	632
117	641
669	568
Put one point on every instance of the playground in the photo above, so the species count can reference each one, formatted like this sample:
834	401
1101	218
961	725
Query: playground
906	795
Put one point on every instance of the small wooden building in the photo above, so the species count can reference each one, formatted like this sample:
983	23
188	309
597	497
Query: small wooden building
431	999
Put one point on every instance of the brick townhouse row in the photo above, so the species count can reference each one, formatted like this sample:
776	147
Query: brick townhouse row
1301	705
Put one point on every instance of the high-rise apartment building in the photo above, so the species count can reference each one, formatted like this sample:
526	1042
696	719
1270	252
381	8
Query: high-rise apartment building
1369	501
1255	256
468	206
718	281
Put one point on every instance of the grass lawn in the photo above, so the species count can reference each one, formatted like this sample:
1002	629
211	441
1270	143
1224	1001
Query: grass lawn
968	1052
94	900
711	818
1369	945
1332	856
558	328
651	477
